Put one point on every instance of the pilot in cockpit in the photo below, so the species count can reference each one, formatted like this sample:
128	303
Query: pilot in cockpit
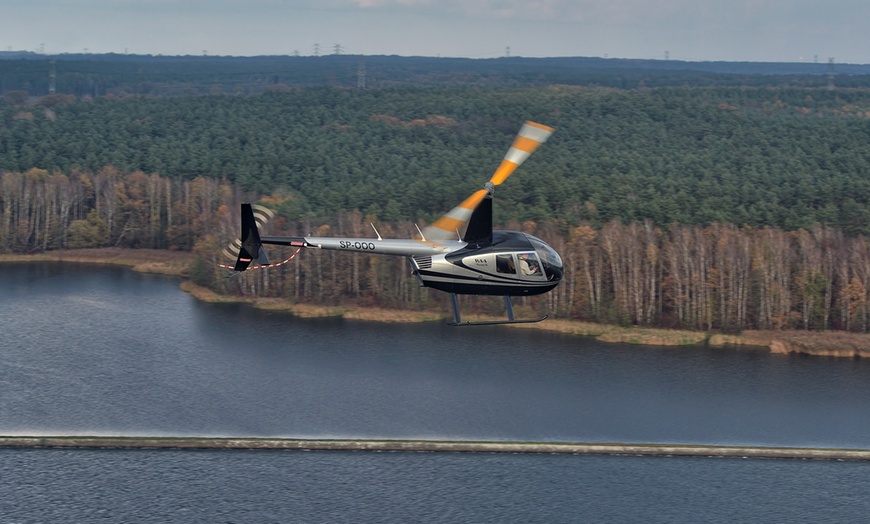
528	265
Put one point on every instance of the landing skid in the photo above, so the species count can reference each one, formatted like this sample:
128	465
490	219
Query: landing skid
457	319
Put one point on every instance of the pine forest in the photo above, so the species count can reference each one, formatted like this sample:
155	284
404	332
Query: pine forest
700	206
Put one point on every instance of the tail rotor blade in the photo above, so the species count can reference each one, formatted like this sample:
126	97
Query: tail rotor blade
232	249
531	136
262	215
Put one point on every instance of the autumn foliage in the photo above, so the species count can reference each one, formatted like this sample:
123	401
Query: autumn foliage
716	277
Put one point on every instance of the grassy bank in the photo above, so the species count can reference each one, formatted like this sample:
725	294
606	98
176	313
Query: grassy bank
164	262
602	332
175	263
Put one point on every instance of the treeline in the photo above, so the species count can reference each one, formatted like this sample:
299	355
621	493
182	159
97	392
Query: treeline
716	277
42	211
118	75
787	158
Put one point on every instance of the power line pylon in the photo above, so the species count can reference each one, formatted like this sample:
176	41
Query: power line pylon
52	76
361	75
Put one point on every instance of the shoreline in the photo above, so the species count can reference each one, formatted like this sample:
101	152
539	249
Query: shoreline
158	261
177	263
449	446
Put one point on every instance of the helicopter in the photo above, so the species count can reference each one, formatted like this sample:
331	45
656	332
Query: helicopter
481	261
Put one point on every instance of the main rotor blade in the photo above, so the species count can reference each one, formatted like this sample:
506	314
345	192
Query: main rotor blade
447	226
531	136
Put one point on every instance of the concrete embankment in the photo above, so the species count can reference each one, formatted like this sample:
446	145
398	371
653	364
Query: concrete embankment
433	445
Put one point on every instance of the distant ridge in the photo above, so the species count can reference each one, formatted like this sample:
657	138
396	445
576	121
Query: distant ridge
718	66
99	74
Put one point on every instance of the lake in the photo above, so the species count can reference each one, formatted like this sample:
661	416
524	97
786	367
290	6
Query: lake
95	350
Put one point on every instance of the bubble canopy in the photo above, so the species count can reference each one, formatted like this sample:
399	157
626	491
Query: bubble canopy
551	260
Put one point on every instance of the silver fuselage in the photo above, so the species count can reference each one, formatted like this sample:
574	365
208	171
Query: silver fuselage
515	264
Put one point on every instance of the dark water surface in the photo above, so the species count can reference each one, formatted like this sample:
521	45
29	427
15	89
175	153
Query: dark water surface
102	351
91	350
59	485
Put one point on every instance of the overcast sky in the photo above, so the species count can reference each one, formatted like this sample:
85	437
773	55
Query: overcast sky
696	30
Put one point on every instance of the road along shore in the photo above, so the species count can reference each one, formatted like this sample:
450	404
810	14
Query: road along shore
578	448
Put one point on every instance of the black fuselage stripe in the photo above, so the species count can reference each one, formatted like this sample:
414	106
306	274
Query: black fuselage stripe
499	280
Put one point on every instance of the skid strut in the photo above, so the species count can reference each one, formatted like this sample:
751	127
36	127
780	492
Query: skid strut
457	318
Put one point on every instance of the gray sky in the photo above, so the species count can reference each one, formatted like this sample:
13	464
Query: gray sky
732	30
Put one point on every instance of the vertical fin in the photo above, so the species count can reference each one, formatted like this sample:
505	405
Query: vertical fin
251	248
479	229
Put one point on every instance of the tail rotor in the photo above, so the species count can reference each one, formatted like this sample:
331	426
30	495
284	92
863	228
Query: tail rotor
262	215
248	248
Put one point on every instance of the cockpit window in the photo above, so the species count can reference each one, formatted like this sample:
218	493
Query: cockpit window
505	264
529	264
548	255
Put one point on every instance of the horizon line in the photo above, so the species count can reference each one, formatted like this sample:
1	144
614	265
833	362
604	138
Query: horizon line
22	52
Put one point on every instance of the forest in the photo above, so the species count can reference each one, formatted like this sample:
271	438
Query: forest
121	74
712	208
787	158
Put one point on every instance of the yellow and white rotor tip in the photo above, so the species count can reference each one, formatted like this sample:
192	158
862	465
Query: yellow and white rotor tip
530	137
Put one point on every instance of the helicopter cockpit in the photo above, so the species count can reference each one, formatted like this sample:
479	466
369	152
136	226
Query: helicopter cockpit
551	262
527	263
537	261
